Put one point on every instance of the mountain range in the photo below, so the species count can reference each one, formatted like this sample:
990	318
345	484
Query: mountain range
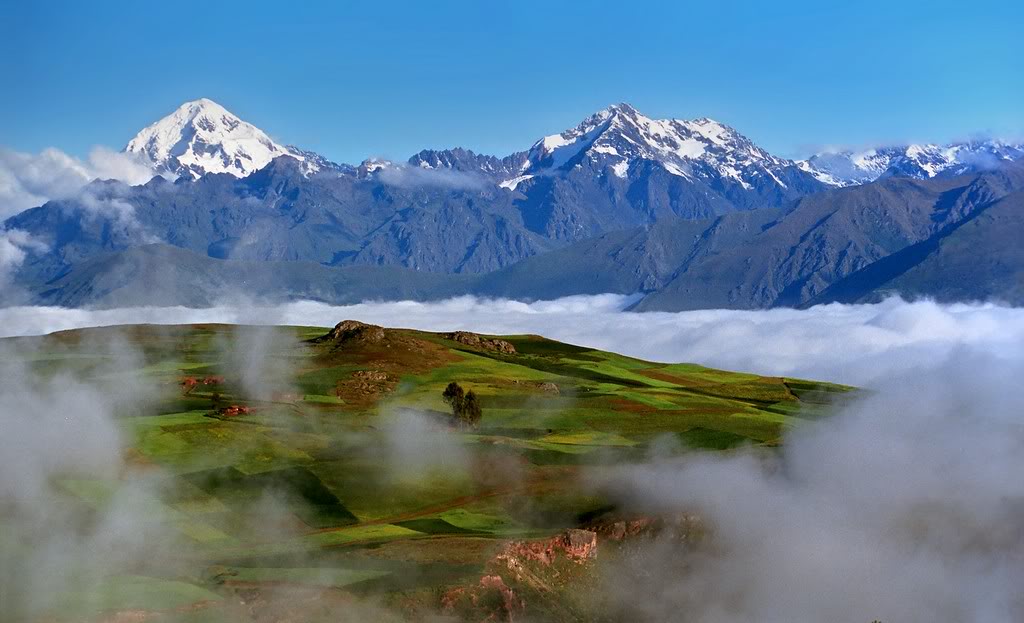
686	213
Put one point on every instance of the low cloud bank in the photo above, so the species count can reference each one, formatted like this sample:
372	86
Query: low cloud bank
857	344
407	176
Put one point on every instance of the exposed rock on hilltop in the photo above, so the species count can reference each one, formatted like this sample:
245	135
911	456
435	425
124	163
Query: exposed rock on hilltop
354	331
478	341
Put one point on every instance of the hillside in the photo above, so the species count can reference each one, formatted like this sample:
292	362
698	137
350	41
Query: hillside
300	470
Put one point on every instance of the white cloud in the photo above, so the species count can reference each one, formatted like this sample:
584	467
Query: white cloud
30	180
857	344
408	176
15	245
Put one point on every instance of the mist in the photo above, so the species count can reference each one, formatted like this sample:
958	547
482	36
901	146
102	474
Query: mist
907	505
61	452
408	176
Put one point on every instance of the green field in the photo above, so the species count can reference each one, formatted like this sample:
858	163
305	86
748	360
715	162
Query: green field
342	474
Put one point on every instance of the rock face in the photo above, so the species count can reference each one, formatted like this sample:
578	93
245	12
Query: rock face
477	341
521	568
491	593
354	331
580	545
574	544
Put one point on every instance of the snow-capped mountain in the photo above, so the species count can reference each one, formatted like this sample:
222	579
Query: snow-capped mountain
850	168
619	137
202	137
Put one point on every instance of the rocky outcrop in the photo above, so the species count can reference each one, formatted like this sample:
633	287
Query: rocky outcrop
521	568
681	527
478	341
575	545
354	331
490	594
365	387
545	387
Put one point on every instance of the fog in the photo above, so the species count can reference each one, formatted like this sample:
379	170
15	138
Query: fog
908	505
59	435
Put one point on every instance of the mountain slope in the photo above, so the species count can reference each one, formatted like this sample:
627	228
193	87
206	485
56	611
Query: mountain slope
953	239
278	214
167	275
618	169
631	261
825	238
976	259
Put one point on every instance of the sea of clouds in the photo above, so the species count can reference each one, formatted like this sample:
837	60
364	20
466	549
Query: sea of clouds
856	344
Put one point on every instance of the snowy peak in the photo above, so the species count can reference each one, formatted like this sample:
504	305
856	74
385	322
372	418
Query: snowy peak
849	168
203	137
620	135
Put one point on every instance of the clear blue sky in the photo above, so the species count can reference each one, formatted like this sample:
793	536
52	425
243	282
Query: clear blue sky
388	78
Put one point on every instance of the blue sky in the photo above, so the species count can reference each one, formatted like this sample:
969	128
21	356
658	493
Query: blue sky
352	80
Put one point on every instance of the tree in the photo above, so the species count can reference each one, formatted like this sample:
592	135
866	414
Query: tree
471	410
454	396
466	409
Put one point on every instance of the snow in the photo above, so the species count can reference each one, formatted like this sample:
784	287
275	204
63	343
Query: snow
690	148
674	170
822	176
730	171
711	130
202	137
847	168
620	134
606	149
775	177
376	164
553	142
914	151
515	181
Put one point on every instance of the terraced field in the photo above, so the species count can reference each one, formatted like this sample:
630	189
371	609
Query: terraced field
301	462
